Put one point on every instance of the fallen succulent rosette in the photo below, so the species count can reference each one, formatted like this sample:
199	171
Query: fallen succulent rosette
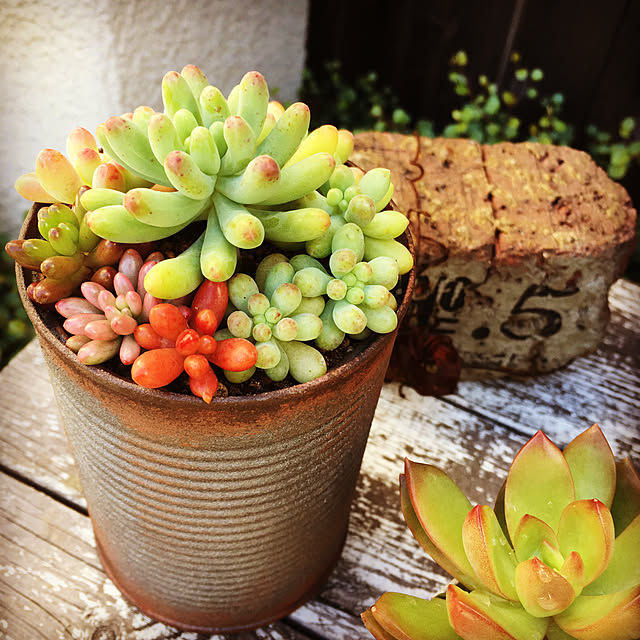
558	558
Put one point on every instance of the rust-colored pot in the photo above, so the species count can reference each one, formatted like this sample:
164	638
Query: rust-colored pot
215	517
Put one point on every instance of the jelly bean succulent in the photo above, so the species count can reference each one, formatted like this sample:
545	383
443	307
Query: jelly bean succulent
102	324
213	178
558	558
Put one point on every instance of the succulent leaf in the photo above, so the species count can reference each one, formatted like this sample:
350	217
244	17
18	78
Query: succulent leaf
489	552
57	175
161	208
285	226
623	570
253	99
374	248
177	94
29	187
305	362
404	617
530	536
115	223
480	615
592	465
539	483
176	277
303	177
614	616
626	501
287	134
218	257
554	632
586	527
573	570
323	139
441	509
374	626
130	147
543	591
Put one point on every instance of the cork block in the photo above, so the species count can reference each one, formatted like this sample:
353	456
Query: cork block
517	245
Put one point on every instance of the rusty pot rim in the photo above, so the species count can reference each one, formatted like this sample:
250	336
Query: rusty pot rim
288	394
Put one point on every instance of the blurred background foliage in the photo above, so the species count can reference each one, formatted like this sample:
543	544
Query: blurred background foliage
15	327
519	111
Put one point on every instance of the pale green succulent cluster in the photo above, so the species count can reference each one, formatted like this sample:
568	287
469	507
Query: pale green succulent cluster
559	557
235	162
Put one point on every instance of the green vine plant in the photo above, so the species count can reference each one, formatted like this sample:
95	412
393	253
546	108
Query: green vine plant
519	110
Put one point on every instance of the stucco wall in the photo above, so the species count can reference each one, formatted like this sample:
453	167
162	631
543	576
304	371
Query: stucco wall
66	64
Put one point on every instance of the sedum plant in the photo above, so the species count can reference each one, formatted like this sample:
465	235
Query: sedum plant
558	558
208	181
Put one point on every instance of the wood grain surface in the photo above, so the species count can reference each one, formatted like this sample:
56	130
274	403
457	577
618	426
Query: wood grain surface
51	582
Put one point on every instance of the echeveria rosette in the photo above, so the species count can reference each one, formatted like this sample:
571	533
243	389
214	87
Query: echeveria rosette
558	558
235	162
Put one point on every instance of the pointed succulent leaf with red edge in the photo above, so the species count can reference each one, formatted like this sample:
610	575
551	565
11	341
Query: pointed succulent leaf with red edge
373	626
592	465
543	591
539	483
480	615
488	551
423	539
626	501
623	570
586	527
530	536
441	508
613	616
402	617
573	570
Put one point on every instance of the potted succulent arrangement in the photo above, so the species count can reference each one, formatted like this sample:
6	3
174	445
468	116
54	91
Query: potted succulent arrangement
558	558
216	294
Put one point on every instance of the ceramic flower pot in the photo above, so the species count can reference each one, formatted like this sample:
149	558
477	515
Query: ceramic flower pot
215	517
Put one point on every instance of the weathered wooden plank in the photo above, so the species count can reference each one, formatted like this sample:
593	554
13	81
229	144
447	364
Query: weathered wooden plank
380	553
53	587
33	443
603	387
474	440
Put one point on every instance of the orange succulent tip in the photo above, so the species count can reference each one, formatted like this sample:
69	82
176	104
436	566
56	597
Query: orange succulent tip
79	139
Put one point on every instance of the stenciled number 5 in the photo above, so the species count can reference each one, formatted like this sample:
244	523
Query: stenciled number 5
525	322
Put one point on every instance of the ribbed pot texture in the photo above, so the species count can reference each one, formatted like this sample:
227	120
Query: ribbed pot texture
217	517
